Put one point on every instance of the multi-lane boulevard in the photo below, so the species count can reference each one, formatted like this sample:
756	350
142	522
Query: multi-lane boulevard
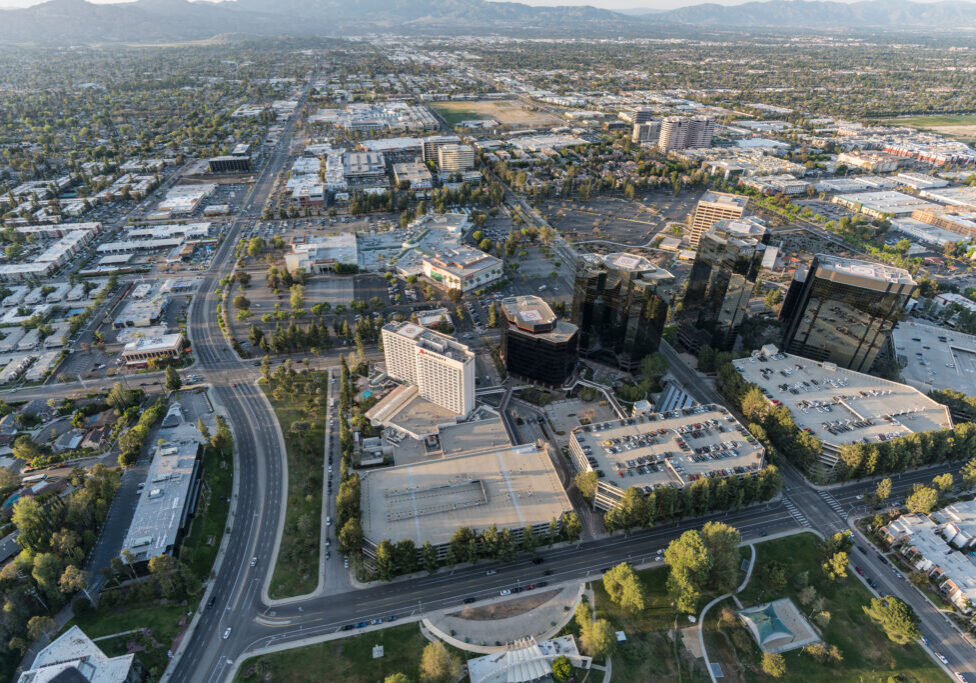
239	620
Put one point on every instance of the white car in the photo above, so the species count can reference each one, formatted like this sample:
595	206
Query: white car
505	591
227	633
328	521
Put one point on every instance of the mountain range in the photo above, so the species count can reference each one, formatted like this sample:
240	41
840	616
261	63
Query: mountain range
61	22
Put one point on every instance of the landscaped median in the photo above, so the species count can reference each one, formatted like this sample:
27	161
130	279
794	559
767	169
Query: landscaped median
300	403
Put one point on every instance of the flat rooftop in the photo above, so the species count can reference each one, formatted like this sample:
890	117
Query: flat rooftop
885	201
405	410
431	341
528	312
840	406
732	200
630	262
935	357
162	506
669	449
864	269
475	435
429	501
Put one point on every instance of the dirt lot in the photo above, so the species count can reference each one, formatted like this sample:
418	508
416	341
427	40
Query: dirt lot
507	608
504	111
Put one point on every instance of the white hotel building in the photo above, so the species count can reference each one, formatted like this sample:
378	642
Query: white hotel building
441	368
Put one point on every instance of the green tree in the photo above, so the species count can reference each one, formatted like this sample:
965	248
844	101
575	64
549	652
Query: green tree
883	491
898	620
722	542
429	555
397	678
385	561
968	474
586	484
25	449
773	664
173	381
437	665
625	588
599	639
922	499
836	566
562	668
572	527
297	297
39	626
690	564
943	482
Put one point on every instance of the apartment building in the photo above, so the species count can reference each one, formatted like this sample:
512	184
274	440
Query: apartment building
683	132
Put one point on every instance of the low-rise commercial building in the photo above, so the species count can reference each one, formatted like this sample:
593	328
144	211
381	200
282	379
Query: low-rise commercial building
841	406
933	357
941	545
169	498
414	173
462	267
885	204
663	449
74	657
141	351
230	164
512	488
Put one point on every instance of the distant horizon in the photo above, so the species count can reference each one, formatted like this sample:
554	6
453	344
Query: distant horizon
618	5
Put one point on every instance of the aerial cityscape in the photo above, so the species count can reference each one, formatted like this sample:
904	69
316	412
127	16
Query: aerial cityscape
442	341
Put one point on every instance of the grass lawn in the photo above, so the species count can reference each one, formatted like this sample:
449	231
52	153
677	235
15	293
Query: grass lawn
297	568
867	652
936	120
454	115
349	660
648	654
211	517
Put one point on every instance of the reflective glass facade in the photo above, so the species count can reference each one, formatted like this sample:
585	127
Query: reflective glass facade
845	310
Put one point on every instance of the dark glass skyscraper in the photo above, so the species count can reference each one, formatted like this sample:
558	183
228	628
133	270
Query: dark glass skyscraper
620	303
535	344
721	282
843	310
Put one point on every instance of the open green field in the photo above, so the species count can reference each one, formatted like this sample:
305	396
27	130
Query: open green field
297	567
349	660
936	120
867	653
454	115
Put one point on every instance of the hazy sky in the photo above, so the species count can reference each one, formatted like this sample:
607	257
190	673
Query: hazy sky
606	4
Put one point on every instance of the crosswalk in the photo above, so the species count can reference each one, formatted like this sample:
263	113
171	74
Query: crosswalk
795	513
832	502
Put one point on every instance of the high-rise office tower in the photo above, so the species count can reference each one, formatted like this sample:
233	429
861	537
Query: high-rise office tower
721	283
843	310
646	132
642	114
713	207
684	132
434	142
620	303
535	344
455	157
441	368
